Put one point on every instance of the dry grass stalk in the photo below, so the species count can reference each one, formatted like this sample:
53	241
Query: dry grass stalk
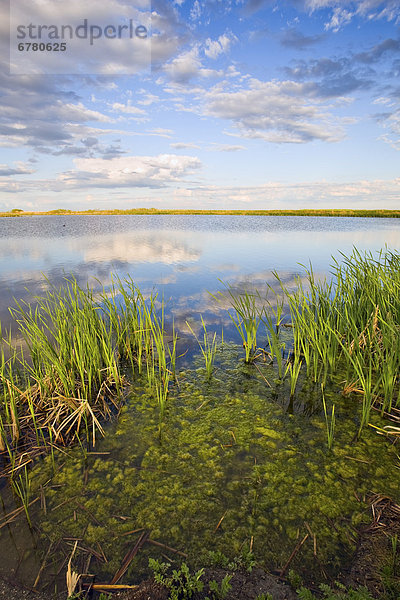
376	333
72	576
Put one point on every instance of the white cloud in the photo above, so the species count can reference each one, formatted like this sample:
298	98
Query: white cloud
149	99
122	52
345	10
130	171
78	113
213	48
127	109
187	66
374	194
227	148
195	11
340	17
276	111
391	123
142	247
182	145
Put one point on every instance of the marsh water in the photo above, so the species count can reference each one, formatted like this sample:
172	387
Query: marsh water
183	257
239	465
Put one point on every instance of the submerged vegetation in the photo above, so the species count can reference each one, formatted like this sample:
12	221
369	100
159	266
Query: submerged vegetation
272	447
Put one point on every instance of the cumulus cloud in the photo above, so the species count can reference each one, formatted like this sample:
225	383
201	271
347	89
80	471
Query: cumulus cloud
142	247
119	51
276	111
188	65
41	113
213	48
130	171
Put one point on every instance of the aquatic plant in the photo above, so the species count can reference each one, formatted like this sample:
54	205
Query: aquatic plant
352	323
272	318
208	348
330	421
247	319
21	486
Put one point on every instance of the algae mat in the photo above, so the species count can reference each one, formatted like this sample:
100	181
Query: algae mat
237	466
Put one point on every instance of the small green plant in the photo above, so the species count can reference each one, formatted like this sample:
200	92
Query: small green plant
293	367
330	421
295	579
245	560
220	591
208	347
390	570
181	583
22	488
264	597
247	319
218	559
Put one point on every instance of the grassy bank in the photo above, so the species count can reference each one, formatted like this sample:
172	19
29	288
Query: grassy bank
155	211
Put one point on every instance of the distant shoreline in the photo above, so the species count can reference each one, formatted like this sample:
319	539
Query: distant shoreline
155	211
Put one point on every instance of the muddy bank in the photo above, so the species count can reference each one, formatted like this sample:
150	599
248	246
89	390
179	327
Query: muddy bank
376	561
245	586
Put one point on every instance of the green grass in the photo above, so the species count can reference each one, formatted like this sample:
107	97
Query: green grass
351	325
155	211
71	378
246	318
208	347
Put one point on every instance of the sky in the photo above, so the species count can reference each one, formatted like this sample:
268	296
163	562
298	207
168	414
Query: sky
217	104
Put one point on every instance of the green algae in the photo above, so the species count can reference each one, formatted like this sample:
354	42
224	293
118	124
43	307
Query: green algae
230	451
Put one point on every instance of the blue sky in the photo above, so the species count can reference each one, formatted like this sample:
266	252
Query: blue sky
233	104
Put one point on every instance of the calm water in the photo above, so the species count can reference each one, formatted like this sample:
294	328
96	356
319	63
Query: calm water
183	257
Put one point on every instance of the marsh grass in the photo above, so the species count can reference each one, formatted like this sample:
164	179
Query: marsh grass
330	420
272	318
352	324
72	375
21	486
208	347
246	318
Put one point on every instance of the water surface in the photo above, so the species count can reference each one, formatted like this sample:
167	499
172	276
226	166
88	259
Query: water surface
182	256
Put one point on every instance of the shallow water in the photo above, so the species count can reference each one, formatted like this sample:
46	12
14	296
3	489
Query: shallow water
181	256
238	463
